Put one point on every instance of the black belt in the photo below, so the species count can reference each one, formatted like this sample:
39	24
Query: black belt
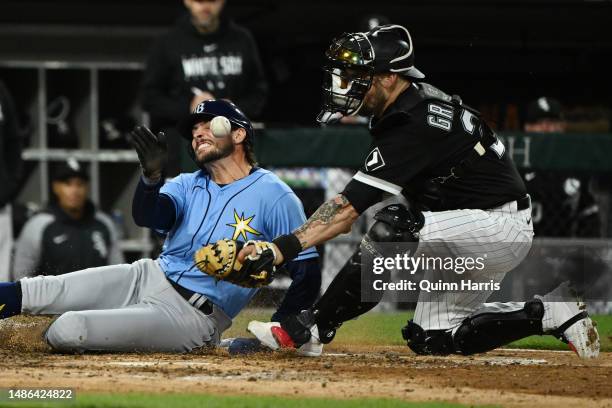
200	302
523	203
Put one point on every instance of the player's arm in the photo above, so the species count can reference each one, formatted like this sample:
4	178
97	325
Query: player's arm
331	219
150	207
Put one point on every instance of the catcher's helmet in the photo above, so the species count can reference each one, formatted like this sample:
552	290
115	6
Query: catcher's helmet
352	61
207	110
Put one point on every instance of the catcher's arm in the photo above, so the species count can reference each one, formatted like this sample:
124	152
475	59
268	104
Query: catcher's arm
331	219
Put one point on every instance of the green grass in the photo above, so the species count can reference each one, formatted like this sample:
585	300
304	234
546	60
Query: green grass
210	401
384	329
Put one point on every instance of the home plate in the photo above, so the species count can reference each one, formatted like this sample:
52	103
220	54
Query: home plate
504	361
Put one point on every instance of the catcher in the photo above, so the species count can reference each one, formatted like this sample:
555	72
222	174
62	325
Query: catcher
168	304
467	200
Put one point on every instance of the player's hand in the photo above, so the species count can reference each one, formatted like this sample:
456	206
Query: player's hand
250	252
152	151
220	260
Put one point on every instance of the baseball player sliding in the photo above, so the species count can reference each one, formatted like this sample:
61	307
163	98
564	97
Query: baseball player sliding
168	304
466	197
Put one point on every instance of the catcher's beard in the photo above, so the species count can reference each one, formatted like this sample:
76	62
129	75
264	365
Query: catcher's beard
216	154
372	102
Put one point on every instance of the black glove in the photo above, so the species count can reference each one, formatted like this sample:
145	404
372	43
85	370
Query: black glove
152	151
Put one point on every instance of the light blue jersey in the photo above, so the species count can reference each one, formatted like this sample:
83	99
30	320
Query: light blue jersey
259	207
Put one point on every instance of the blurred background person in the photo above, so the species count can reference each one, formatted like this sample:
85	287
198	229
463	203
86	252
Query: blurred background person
10	175
558	196
563	207
544	116
204	56
70	234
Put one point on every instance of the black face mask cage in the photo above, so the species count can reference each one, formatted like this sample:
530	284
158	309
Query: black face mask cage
347	76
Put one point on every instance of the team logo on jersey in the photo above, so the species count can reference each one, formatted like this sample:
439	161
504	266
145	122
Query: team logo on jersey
60	239
99	244
209	48
242	227
374	161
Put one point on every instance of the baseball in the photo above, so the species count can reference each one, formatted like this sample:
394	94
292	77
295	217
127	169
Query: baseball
220	126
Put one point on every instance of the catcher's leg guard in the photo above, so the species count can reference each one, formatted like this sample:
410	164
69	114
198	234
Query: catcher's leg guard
486	330
430	342
10	299
342	301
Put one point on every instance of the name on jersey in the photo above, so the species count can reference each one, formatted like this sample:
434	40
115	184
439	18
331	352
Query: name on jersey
213	65
441	117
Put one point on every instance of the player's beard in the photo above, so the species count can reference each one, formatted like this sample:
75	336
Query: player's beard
217	153
373	102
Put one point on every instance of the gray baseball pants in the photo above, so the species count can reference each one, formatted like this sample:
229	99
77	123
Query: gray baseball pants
129	307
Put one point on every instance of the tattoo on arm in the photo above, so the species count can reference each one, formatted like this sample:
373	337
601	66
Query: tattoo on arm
325	214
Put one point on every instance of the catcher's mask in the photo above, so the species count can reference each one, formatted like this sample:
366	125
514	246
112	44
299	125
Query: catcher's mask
354	59
206	111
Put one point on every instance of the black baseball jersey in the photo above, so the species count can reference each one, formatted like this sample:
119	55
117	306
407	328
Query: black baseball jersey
419	142
225	63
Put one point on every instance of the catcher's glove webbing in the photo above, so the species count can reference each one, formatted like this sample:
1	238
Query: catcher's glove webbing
220	260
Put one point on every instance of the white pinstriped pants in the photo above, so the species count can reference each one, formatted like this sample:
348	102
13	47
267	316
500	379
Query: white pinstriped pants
503	234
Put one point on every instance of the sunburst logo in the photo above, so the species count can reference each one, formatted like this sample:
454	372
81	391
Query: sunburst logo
242	227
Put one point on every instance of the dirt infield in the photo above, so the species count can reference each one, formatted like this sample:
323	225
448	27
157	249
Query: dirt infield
509	378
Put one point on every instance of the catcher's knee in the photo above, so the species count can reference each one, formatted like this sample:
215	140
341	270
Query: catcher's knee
68	332
397	223
342	300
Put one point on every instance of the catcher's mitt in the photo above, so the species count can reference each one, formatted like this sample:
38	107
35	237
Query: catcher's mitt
219	260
